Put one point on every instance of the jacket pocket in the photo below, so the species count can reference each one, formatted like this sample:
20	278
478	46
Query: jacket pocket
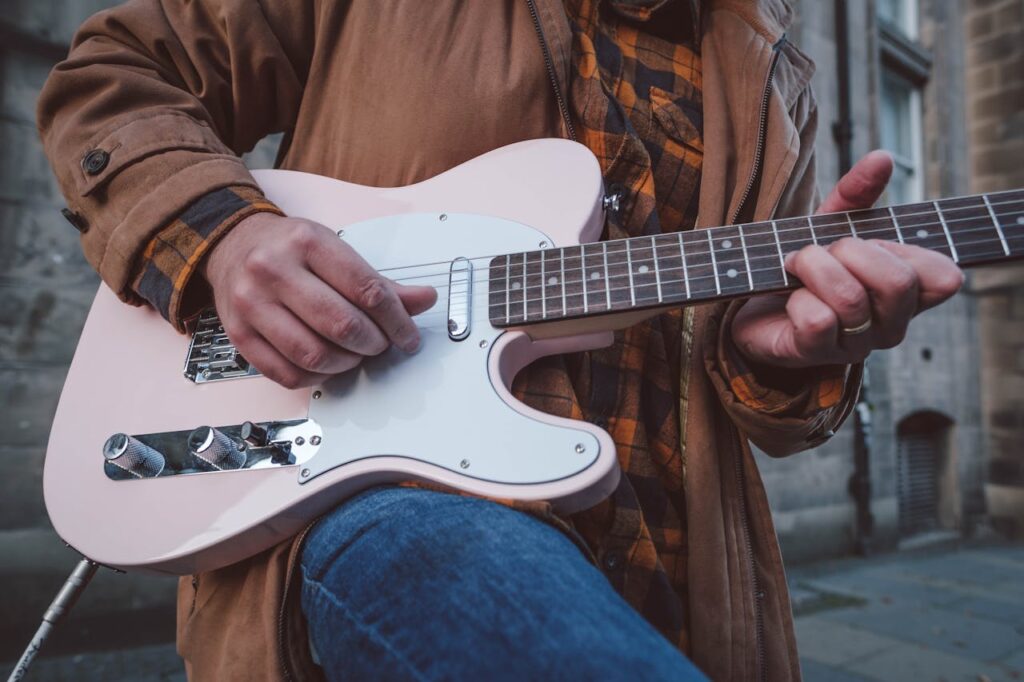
118	148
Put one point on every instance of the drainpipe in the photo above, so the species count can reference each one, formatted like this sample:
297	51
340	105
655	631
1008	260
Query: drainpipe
859	484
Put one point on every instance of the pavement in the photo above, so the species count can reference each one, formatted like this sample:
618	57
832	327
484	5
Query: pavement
942	615
948	614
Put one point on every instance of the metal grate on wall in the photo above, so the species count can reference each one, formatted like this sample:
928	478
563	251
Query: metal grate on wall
918	489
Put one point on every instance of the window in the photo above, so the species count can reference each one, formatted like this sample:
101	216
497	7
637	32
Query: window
901	14
901	136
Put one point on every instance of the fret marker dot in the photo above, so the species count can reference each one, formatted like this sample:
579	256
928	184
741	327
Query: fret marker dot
595	275
642	269
731	272
921	234
516	285
1020	220
553	280
726	244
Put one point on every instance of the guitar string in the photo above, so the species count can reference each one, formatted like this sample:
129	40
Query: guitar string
728	261
886	217
518	304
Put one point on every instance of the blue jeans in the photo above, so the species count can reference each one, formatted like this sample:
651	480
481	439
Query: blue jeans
402	583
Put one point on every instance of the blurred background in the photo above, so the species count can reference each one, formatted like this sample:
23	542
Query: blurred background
904	535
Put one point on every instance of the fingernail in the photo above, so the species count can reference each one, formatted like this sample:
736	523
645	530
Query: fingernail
413	345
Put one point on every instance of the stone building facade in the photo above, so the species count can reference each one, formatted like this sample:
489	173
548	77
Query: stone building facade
963	61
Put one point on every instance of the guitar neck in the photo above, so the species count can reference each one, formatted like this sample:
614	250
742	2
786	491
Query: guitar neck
677	269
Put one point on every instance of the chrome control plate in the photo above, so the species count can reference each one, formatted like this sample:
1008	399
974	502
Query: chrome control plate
287	443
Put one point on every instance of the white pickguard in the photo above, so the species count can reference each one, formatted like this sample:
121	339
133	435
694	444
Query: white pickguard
439	406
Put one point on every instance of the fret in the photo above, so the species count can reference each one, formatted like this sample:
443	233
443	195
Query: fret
972	229
561	263
794	234
873	223
607	282
1009	210
657	269
516	282
619	288
714	266
945	228
670	266
728	260
778	247
995	221
853	228
700	273
921	226
746	259
830	228
595	283
497	288
810	226
645	285
629	271
533	289
554	301
572	281
682	257
896	225
543	290
765	270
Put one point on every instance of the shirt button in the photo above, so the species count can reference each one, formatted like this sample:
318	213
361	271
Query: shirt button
95	161
76	220
612	560
599	422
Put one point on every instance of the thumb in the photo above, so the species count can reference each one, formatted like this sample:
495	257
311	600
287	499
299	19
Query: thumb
862	185
416	299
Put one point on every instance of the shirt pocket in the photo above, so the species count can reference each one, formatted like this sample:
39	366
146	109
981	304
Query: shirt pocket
677	131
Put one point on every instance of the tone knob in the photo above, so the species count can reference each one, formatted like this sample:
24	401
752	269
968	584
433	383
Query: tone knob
132	456
215	450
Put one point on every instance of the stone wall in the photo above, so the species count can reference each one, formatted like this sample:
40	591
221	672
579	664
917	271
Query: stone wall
995	63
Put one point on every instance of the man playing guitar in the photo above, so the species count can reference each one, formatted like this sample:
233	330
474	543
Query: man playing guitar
699	113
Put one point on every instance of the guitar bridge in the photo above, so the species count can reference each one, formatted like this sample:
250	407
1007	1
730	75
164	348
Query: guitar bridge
212	356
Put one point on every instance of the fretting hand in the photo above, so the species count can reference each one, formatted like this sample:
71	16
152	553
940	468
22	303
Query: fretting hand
301	305
858	295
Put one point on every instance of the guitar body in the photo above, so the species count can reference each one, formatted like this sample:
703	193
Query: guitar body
444	415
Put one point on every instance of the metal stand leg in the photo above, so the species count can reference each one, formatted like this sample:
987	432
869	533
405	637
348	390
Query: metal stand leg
62	603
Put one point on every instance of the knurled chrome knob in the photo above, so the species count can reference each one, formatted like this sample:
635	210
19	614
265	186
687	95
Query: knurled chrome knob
132	456
215	450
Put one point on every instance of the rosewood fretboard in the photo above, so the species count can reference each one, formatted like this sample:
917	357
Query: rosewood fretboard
735	261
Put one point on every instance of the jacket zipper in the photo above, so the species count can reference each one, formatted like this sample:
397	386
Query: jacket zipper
549	64
762	129
281	614
755	582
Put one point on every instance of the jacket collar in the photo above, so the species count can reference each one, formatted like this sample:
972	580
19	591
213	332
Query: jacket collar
770	18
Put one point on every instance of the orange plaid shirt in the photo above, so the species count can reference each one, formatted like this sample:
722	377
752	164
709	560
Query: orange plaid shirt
636	103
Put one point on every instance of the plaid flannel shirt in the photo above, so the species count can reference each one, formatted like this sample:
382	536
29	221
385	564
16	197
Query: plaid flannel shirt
636	103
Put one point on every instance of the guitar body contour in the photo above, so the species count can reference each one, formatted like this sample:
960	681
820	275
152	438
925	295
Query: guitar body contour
443	415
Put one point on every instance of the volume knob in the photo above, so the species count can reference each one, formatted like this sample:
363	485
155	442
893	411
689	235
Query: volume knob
216	450
132	456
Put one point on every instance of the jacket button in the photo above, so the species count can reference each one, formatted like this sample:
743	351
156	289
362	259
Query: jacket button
95	161
612	560
76	220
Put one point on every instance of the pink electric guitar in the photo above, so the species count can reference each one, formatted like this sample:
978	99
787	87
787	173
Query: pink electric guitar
173	454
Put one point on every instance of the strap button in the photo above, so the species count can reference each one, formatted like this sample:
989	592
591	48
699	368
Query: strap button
95	161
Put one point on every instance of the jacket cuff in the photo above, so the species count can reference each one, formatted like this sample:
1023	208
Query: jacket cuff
781	411
166	272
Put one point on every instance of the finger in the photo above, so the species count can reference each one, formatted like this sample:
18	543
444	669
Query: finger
273	364
345	270
815	328
891	283
938	277
830	281
331	315
299	344
416	299
862	185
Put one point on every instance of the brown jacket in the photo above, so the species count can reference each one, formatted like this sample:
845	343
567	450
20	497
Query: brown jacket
174	134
